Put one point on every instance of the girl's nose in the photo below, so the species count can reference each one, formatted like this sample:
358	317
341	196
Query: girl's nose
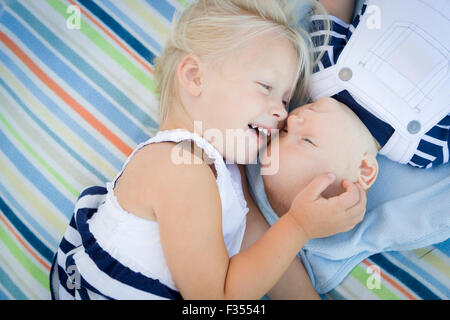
279	112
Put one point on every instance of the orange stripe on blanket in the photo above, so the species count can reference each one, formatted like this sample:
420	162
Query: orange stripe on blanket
109	34
86	115
24	244
393	283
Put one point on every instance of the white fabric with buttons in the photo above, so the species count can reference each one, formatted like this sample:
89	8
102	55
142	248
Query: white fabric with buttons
412	94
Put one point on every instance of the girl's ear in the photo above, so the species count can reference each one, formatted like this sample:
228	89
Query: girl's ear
368	171
189	74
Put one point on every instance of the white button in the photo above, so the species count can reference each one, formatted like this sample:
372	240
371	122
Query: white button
414	126
345	74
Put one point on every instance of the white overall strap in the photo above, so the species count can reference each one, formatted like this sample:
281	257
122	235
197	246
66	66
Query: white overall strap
179	135
324	83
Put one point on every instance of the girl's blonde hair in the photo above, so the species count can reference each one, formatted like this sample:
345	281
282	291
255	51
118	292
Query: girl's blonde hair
215	27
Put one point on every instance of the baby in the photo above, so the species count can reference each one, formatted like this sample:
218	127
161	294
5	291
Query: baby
324	136
376	108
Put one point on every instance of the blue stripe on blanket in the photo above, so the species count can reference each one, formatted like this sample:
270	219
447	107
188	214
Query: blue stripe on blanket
404	277
58	140
71	77
444	247
27	234
418	271
83	66
26	216
10	286
163	7
55	110
119	30
34	176
127	21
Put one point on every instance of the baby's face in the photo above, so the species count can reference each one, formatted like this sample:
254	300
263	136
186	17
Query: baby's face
316	139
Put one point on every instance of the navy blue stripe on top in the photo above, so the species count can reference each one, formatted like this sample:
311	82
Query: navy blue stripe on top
445	121
113	268
381	130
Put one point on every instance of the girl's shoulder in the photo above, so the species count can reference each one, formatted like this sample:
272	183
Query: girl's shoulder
170	160
159	172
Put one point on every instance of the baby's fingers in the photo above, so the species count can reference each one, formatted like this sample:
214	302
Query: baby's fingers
357	211
350	197
362	198
318	185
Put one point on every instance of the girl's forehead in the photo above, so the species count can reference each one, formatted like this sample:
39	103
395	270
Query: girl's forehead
266	50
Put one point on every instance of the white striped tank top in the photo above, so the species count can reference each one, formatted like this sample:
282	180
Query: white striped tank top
108	253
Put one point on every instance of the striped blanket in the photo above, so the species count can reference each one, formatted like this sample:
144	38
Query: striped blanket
76	97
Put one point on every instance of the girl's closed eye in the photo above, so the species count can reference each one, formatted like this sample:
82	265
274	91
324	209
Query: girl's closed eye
309	141
269	89
266	87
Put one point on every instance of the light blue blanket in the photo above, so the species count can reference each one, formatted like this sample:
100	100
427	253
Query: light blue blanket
407	208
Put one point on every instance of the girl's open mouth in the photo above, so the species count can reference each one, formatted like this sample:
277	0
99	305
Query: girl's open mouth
263	134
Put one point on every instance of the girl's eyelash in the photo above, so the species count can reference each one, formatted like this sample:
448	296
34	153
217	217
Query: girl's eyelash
269	88
265	86
308	141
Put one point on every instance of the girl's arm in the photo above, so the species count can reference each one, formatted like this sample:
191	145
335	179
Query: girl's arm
190	221
188	211
295	282
342	9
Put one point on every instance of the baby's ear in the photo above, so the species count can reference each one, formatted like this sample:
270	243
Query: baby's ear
368	171
189	74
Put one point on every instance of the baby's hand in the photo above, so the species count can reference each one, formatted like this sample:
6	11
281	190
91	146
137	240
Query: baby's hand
318	217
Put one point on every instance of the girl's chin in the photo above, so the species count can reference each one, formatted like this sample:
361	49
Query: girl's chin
261	139
241	146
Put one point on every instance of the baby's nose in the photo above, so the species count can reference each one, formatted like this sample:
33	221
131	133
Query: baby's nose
295	121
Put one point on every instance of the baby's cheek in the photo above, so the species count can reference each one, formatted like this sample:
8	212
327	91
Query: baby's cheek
348	170
333	190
